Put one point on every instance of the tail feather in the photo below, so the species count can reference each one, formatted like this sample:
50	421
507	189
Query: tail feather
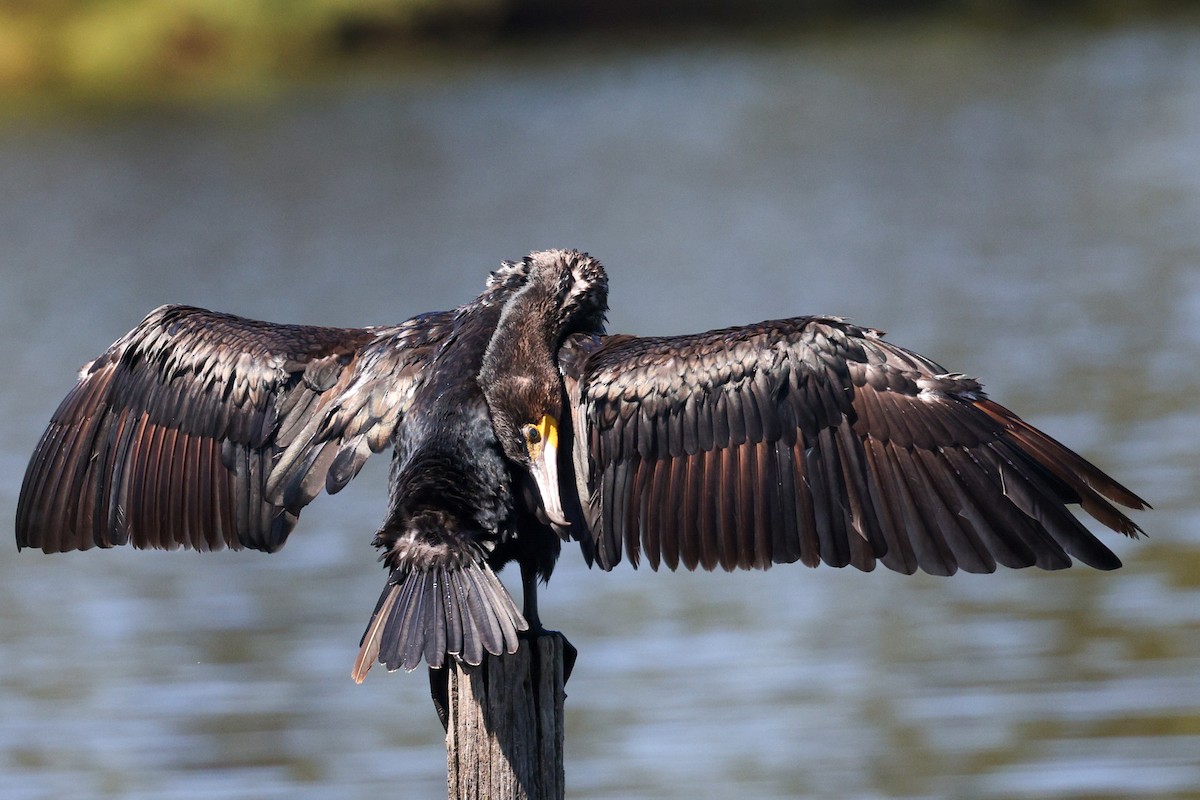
368	650
457	610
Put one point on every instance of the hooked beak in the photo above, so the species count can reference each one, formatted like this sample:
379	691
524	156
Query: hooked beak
543	457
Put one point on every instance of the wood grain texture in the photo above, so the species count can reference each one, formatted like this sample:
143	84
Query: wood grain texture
504	740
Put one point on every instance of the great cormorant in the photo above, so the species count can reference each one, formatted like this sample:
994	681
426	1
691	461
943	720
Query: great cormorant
516	423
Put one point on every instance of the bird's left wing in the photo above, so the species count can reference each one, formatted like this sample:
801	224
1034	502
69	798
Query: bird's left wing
814	440
207	430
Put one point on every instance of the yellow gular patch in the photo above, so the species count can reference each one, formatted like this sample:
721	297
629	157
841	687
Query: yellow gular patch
548	428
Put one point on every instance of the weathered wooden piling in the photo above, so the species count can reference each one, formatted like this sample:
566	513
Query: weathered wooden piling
504	734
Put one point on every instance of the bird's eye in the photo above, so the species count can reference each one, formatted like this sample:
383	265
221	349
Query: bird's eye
532	434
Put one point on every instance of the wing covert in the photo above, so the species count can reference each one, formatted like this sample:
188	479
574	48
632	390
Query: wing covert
814	440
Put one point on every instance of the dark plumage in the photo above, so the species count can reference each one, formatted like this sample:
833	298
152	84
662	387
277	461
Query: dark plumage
515	422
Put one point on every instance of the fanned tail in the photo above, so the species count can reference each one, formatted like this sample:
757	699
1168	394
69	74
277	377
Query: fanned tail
460	610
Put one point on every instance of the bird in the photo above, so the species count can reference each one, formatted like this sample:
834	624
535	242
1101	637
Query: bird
517	424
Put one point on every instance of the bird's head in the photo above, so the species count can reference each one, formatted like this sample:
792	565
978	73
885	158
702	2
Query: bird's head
525	415
564	292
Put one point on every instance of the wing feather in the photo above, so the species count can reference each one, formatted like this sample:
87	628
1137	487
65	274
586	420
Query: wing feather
611	519
815	440
707	513
637	514
829	512
675	476
786	544
656	511
766	510
692	486
727	511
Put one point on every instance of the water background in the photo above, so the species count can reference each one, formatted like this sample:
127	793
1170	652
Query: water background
1020	206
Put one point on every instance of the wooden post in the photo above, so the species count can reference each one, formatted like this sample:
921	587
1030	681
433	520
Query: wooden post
504	736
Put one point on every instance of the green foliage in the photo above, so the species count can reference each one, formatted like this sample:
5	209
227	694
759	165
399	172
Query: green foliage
112	49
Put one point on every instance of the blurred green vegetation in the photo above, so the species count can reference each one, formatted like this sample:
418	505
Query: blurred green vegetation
105	51
124	49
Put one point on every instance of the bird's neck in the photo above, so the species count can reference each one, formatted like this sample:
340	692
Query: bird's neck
526	335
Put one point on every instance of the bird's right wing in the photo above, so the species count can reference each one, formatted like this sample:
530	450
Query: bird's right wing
207	430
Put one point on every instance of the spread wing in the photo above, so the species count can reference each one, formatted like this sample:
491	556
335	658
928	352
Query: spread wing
810	439
206	430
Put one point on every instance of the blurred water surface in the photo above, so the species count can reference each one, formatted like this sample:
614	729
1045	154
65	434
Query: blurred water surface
1025	208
